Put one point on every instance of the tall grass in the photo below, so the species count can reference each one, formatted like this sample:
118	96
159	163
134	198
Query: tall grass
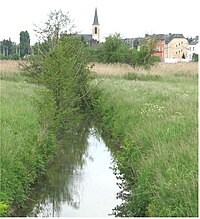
25	147
162	69
156	124
9	68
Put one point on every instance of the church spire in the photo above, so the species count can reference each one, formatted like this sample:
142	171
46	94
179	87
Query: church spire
95	18
95	27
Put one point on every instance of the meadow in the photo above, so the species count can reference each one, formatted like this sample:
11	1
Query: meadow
25	147
161	69
153	115
9	68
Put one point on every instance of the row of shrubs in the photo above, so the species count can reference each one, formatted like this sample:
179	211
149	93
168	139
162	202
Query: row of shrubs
9	57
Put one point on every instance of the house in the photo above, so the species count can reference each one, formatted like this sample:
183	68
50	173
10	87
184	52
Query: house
160	43
193	42
176	48
134	43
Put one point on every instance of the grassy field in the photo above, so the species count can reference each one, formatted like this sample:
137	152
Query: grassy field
161	69
153	115
25	148
9	68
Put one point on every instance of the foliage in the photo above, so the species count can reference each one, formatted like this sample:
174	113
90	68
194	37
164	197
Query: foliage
141	77
64	73
195	57
144	57
114	50
9	57
26	146
157	129
56	25
24	43
8	48
3	208
60	65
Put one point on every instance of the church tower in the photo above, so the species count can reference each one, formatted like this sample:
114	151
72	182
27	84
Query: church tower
95	27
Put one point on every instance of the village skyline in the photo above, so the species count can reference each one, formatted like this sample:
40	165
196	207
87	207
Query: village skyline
129	18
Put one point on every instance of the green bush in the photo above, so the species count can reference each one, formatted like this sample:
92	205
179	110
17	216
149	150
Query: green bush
141	77
9	57
63	71
3	208
195	57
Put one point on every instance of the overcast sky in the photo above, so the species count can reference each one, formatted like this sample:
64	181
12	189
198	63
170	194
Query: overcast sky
131	18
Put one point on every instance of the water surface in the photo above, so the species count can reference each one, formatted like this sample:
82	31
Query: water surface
79	183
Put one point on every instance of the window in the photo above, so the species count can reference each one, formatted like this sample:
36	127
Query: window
95	30
193	48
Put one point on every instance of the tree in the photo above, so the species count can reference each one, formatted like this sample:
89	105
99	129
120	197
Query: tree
195	57
145	56
56	25
8	50
24	43
114	50
61	67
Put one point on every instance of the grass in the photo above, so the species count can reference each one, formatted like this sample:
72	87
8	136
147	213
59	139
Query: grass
156	123
25	148
9	68
161	69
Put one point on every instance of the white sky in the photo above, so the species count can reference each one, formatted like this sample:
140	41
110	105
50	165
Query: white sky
131	18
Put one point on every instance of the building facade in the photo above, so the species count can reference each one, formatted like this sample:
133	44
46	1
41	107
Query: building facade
193	43
176	47
160	44
134	43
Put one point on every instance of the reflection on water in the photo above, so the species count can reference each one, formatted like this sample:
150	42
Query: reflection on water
79	183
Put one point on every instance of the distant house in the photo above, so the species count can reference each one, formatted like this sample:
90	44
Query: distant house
134	43
176	48
88	39
160	39
192	47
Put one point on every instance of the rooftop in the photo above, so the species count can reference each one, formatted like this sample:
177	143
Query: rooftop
170	37
194	41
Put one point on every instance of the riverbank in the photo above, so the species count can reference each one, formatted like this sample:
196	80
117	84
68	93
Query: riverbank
25	146
153	116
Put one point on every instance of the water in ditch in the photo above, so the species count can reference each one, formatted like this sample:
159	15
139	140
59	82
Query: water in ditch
80	182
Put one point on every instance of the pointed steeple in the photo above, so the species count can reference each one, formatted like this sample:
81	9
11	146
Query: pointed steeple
95	18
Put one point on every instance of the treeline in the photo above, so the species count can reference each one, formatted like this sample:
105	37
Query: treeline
9	50
115	50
